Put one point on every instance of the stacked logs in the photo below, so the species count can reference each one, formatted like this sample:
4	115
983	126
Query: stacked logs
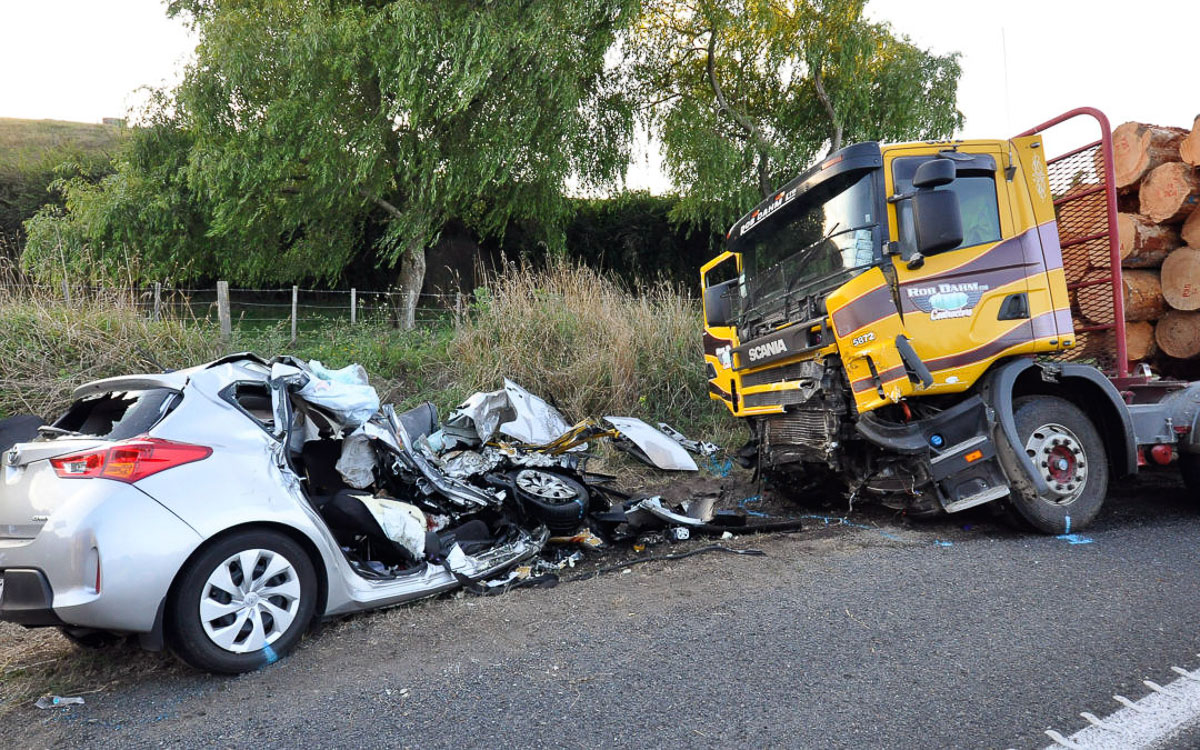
1158	184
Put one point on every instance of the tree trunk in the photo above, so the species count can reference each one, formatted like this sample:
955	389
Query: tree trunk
1138	148
1143	296
1178	334
1139	340
1169	193
1143	243
1181	279
412	278
1190	232
1189	147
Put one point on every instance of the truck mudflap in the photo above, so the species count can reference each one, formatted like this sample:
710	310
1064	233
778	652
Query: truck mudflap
956	447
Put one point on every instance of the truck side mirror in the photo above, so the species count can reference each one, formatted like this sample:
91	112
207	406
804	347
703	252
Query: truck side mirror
937	221
718	303
934	173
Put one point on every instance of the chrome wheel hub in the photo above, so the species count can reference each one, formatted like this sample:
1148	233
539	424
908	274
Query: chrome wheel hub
1058	456
545	485
250	600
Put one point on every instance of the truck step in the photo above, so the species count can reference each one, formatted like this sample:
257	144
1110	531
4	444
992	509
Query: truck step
979	498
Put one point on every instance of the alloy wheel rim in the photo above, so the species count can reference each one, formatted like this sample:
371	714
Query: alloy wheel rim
249	600
1058	455
544	485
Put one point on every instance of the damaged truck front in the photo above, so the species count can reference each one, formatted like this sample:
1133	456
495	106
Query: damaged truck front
897	321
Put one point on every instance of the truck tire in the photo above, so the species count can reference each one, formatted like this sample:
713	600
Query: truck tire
1068	453
1189	466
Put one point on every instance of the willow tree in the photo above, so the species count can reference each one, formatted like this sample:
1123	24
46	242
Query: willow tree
743	94
310	117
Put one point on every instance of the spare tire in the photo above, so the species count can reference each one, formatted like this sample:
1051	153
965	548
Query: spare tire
556	500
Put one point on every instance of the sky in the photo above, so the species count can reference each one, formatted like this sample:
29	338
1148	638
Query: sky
1024	61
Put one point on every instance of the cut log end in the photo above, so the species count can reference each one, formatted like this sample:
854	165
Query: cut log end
1181	279
1139	340
1169	193
1178	334
1139	148
1189	233
1189	147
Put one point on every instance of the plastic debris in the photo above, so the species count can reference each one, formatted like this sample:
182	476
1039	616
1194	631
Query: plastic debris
58	701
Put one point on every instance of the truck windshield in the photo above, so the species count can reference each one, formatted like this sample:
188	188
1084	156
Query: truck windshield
803	246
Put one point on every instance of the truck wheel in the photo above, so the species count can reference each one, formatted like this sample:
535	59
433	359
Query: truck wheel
1189	466
242	603
1069	455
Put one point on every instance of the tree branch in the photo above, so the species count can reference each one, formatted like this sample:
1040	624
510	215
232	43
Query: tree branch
746	124
835	137
395	212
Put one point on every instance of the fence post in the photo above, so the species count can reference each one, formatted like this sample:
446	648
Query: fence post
157	299
458	309
295	300
223	311
66	292
353	306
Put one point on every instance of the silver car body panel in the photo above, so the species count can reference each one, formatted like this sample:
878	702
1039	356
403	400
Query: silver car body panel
143	534
663	451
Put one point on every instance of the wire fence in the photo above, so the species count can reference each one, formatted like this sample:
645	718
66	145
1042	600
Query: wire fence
229	307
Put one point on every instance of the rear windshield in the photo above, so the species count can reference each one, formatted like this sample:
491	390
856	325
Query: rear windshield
120	414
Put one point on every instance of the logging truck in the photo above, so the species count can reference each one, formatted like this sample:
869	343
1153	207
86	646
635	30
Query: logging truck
942	325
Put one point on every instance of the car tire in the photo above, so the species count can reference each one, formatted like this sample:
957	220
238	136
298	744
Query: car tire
558	501
222	620
1189	466
1068	452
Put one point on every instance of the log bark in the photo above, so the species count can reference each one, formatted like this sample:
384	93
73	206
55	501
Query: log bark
1181	279
1169	193
1190	232
1189	147
1178	334
1139	148
1139	340
1143	296
1143	243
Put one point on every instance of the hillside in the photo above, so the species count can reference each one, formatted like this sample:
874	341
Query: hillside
26	143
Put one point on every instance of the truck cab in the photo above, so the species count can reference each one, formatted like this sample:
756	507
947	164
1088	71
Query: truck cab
869	316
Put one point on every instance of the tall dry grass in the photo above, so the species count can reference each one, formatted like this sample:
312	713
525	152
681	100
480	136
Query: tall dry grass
48	346
577	338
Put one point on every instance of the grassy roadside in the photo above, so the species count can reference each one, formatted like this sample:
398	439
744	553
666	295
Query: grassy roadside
567	333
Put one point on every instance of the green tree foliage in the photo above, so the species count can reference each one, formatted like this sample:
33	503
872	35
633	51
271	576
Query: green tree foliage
144	218
308	118
746	93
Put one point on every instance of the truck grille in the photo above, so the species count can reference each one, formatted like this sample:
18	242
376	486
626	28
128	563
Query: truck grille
793	371
812	428
776	398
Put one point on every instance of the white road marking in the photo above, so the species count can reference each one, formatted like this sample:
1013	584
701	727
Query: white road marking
1146	723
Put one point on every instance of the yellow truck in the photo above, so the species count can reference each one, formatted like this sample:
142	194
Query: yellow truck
940	325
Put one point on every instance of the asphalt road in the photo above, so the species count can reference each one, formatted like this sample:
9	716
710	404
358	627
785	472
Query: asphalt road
953	634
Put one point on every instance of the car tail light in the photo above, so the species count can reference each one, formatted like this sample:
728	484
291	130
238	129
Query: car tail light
129	460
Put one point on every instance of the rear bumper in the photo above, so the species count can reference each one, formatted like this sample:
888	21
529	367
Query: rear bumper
27	599
117	537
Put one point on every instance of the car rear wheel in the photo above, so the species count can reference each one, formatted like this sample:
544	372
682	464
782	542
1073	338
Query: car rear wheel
1068	454
242	603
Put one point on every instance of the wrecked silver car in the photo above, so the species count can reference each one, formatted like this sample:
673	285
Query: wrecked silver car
223	509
